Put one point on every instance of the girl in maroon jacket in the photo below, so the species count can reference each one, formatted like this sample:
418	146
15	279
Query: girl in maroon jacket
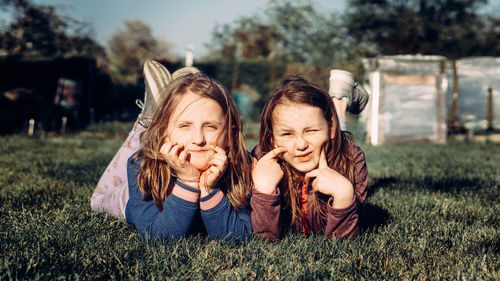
309	175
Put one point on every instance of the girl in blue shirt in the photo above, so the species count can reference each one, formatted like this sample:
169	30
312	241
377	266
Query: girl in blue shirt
192	174
189	170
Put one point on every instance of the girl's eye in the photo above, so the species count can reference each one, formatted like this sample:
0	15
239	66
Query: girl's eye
285	134
183	125
214	127
311	131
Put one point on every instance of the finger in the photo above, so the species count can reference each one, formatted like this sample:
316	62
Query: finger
219	150
275	152
254	162
314	184
222	166
210	175
220	156
165	151
175	150
215	170
165	148
322	160
183	157
211	151
217	162
312	174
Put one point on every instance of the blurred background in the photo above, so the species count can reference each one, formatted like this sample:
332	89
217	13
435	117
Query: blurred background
431	68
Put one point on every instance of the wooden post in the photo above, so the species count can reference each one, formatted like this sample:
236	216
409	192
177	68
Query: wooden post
237	56
64	123
490	109
375	107
31	127
454	99
234	83
441	105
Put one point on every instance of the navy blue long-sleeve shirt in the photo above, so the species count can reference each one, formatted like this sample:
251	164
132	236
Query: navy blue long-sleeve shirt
184	212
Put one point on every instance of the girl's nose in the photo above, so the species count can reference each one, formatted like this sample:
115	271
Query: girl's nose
300	143
199	137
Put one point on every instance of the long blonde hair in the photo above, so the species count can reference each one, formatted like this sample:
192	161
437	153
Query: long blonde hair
298	90
156	178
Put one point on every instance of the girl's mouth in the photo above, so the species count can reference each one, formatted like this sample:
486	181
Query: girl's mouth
304	157
198	151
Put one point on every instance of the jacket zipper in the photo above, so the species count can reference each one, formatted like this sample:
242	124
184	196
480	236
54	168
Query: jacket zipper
303	200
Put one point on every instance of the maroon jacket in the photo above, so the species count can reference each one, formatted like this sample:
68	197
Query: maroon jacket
269	219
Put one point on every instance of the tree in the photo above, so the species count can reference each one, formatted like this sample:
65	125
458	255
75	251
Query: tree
252	38
130	47
257	39
452	28
489	37
309	36
293	31
40	31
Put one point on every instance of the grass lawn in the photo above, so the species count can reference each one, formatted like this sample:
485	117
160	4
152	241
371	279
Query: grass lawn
434	209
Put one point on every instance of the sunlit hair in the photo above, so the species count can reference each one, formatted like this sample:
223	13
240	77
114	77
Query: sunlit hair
296	90
156	178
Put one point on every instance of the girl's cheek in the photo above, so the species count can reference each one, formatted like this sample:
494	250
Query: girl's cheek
287	156
319	141
286	143
219	139
179	137
223	143
212	139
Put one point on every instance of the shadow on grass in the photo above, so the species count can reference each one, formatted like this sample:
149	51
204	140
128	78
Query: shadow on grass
486	246
378	183
485	189
374	217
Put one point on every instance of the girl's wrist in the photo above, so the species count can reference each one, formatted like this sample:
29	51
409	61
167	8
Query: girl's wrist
206	187
343	202
190	182
205	190
268	191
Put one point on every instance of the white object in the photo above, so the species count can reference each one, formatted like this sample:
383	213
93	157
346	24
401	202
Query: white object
341	83
375	107
189	55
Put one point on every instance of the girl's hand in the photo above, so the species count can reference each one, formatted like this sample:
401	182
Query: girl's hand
176	157
330	182
267	172
215	170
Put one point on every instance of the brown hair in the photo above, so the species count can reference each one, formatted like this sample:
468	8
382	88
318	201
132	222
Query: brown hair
297	90
156	179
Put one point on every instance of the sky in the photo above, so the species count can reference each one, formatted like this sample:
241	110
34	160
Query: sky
180	22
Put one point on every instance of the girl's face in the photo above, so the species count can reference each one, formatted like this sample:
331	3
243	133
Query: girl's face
303	130
197	124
